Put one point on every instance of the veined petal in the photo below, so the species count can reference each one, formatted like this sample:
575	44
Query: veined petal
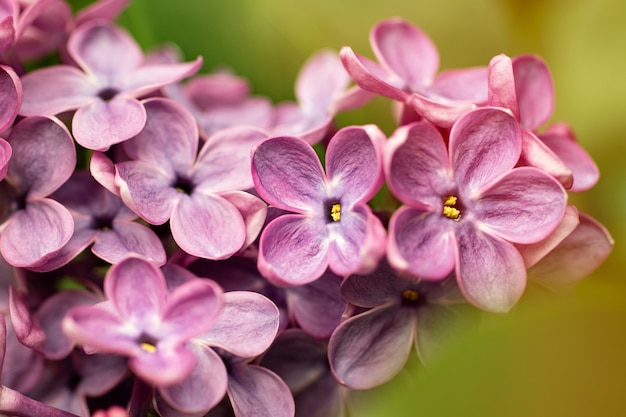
52	90
372	77
253	211
371	348
148	78
416	163
102	123
5	156
43	156
247	325
293	250
406	50
104	50
137	290
45	224
421	243
12	94
461	85
490	271
484	144
320	81
288	174
523	206
256	391
129	239
535	153
502	84
354	163
440	112
163	367
534	90
208	226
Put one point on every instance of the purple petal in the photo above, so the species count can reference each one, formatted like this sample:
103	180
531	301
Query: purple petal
45	224
43	156
354	163
129	239
484	144
561	140
537	154
104	50
523	206
224	161
5	156
163	367
416	163
293	250
534	90
11	93
421	243
137	290
438	325
247	325
99	373
203	388
52	90
287	174
320	80
371	348
407	51
27	328
257	391
577	256
103	170
169	139
103	9
207	226
371	77
439	112
490	271
463	85
7	31
148	78
502	84
382	286
253	211
102	123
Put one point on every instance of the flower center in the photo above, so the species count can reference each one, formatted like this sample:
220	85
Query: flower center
147	343
335	212
332	208
183	185
107	93
450	209
410	295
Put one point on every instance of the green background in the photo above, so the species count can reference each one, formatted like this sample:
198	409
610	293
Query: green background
557	355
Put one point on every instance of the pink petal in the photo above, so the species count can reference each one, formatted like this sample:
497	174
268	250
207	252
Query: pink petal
12	95
103	170
490	271
462	85
163	367
502	84
129	239
321	79
101	124
254	390
103	9
207	226
253	211
293	250
407	51
484	144
421	243
537	154
148	78
534	90
441	113
5	156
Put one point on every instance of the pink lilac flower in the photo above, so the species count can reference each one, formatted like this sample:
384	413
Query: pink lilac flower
370	348
105	87
465	207
406	71
524	86
200	194
43	159
331	224
142	321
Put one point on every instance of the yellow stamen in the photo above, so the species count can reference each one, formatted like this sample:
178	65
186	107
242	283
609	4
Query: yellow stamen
449	209
410	295
148	347
335	212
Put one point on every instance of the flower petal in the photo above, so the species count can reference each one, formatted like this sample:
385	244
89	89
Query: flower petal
256	391
421	243
288	174
502	84
535	153
320	81
442	113
293	250
163	367
490	271
148	78
371	348
467	85
129	239
12	95
253	211
534	90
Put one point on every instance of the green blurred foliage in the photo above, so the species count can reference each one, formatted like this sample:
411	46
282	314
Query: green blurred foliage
554	355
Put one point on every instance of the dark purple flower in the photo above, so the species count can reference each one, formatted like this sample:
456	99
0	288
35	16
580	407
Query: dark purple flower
104	90
331	224
466	207
141	321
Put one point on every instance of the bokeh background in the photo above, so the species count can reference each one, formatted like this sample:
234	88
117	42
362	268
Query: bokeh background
555	355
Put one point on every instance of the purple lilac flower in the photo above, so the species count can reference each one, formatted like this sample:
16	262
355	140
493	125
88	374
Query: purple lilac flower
15	19
200	194
43	159
141	321
372	347
104	90
464	208
407	72
524	86
331	224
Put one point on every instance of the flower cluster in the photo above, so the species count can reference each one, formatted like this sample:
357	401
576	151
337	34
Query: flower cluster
172	245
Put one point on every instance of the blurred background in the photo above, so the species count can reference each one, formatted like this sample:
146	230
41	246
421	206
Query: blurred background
554	355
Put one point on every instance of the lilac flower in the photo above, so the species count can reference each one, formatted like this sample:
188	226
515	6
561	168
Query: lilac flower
200	195
14	21
331	224
103	91
465	208
524	86
407	72
43	159
142	322
372	347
